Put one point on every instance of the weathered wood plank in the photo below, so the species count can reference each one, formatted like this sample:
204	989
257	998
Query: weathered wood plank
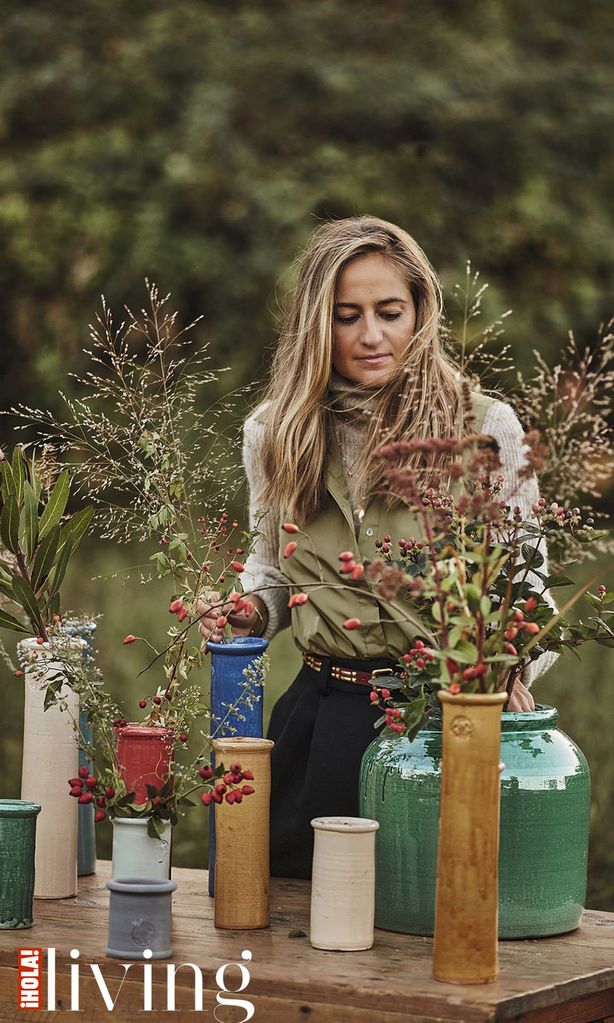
294	981
129	1006
590	1008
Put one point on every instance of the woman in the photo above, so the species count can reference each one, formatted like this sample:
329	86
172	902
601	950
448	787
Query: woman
359	362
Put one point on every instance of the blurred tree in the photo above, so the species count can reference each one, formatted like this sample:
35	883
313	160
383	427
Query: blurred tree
199	143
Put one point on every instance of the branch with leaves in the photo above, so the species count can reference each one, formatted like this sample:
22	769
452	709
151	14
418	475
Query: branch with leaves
38	540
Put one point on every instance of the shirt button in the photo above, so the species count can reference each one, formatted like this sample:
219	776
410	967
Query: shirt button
368	531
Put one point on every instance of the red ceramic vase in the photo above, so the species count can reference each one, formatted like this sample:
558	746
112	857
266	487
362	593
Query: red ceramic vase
144	757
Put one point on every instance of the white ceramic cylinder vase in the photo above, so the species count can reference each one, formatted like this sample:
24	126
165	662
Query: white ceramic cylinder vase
49	759
136	854
343	883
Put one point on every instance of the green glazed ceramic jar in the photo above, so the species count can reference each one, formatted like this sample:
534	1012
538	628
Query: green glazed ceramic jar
17	843
543	849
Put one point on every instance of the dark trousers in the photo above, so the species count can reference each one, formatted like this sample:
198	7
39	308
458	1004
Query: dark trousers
321	728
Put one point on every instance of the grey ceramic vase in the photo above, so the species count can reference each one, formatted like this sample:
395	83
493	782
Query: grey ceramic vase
140	918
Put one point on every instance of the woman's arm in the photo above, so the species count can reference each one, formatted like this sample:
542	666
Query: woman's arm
502	423
262	566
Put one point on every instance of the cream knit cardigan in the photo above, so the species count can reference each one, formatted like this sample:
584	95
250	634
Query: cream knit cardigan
262	567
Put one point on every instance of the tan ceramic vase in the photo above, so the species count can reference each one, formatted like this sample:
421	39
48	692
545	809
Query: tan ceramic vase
343	883
50	757
242	861
466	906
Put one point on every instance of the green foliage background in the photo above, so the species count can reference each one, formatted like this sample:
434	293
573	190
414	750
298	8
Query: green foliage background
199	143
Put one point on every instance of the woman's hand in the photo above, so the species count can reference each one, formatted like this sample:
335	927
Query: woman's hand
520	698
242	624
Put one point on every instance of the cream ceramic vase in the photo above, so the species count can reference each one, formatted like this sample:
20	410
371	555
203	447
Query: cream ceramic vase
136	854
343	883
50	757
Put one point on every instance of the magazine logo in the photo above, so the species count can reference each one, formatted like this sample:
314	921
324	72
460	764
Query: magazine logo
30	977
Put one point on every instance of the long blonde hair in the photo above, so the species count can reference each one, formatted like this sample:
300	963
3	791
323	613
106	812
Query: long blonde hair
421	400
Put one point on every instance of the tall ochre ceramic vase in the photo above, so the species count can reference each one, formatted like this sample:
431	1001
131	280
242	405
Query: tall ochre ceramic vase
49	759
545	806
228	689
242	876
466	894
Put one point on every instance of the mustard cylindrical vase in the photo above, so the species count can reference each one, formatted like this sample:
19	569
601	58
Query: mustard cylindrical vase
242	859
49	759
466	905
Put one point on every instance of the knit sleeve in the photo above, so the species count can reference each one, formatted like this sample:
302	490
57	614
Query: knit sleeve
502	423
262	570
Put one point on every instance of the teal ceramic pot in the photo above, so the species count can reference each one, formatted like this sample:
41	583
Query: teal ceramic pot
543	849
17	843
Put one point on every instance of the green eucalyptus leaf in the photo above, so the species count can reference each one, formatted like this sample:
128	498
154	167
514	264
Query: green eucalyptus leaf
167	787
34	479
51	693
56	505
454	635
532	556
154	827
125	800
19	474
465	653
53	606
9	523
60	569
557	580
7	483
414	711
45	556
77	527
30	517
472	594
8	622
521	591
25	596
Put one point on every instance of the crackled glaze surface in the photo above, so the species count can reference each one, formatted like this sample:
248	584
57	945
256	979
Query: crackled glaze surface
17	843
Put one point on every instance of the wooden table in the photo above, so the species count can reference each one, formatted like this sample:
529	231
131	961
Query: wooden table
551	980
